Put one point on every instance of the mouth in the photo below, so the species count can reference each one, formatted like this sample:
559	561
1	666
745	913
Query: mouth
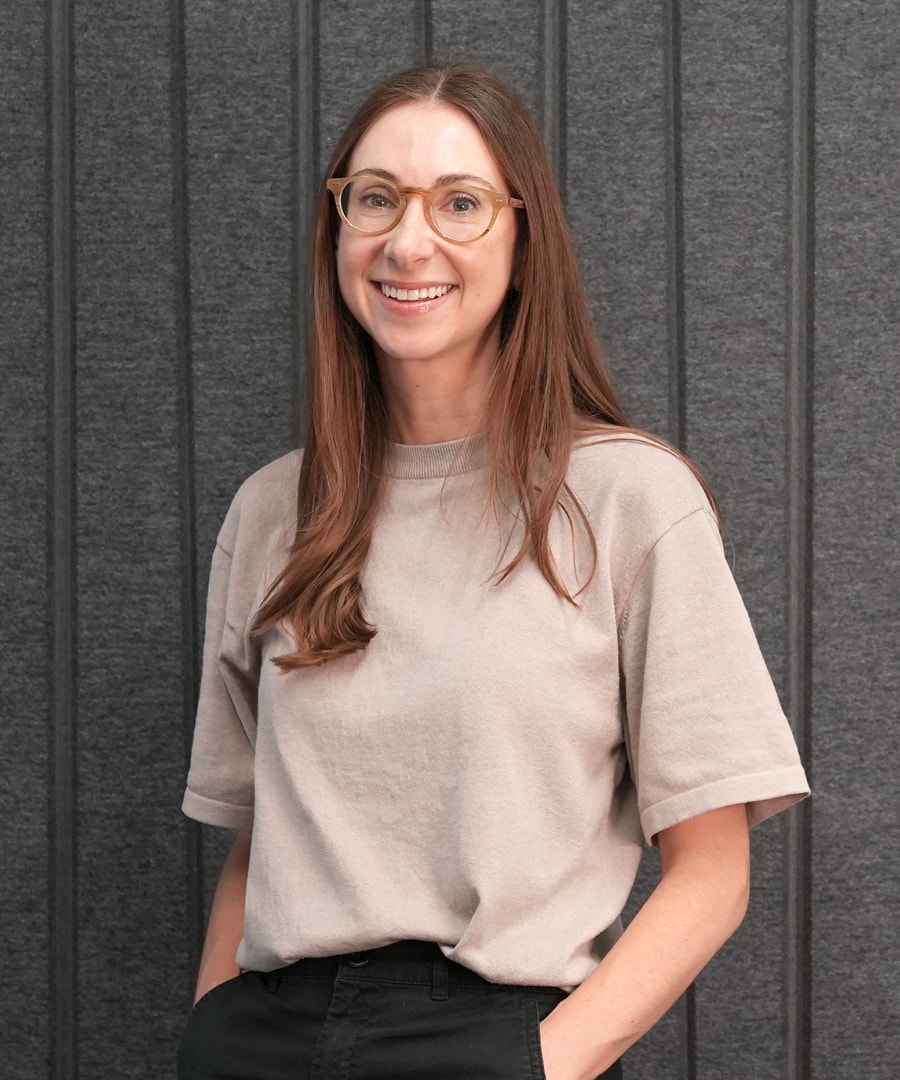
421	292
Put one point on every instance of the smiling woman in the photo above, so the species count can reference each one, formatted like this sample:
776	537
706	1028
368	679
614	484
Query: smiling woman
465	653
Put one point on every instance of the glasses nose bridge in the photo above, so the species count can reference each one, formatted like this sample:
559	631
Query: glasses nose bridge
426	197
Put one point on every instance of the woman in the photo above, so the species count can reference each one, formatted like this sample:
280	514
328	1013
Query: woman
466	654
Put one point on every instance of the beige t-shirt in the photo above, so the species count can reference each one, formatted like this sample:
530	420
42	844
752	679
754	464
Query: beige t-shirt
484	774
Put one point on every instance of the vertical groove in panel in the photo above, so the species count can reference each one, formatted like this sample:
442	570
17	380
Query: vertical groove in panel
799	385
61	524
554	75
690	1033
675	334
184	391
306	182
425	30
675	316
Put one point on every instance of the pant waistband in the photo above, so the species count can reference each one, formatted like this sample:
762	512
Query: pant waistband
411	962
415	962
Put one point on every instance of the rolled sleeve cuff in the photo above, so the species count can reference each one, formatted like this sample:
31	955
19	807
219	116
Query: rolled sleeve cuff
216	812
764	794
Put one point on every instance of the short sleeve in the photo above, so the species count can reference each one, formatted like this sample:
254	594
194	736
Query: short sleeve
251	548
704	727
220	782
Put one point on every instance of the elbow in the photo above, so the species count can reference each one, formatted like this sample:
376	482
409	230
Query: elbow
739	897
733	879
708	858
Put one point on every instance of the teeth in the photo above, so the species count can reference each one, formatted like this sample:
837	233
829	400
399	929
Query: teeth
415	294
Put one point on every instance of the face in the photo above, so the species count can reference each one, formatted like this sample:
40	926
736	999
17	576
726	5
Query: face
420	145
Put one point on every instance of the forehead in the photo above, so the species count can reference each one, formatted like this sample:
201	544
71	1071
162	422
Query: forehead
420	142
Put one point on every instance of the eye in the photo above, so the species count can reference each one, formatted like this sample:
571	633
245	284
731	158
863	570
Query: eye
377	198
460	204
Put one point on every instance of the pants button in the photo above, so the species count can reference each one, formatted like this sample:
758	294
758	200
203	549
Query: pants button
357	960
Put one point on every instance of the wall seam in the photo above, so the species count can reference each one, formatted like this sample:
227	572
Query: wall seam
554	57
305	150
62	546
799	387
184	392
675	299
425	25
675	335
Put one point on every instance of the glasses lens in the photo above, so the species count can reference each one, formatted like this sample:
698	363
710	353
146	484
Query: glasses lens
370	204
462	213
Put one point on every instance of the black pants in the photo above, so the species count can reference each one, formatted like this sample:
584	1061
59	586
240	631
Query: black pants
403	1012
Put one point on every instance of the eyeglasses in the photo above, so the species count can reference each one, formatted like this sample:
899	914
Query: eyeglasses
459	213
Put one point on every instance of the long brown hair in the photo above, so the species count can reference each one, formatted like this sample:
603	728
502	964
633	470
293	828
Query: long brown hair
549	382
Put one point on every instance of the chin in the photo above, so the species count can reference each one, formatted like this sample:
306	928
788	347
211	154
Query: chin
403	352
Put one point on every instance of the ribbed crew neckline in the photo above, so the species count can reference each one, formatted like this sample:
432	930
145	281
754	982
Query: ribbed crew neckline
435	460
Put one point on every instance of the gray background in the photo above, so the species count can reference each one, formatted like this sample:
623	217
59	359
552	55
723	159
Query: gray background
731	173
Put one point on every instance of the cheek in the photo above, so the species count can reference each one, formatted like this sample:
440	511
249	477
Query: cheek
503	260
496	275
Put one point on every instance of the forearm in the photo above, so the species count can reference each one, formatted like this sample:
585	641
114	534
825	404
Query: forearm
697	905
226	919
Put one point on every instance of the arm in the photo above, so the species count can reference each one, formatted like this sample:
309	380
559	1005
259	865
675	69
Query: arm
697	905
226	919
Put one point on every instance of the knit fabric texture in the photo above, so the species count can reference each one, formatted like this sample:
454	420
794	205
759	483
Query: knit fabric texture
485	772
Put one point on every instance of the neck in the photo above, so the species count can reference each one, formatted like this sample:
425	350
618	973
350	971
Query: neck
433	401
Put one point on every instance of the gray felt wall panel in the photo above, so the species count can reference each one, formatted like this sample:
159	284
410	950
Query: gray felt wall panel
238	91
616	201
359	44
24	556
132	974
503	37
616	176
735	142
188	154
856	828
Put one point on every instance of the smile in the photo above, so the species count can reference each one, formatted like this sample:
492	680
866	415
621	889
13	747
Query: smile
427	293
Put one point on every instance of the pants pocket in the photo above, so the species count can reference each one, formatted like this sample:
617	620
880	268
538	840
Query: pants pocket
203	1001
203	1030
536	1008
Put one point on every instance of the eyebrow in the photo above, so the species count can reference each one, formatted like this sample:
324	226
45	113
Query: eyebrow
441	181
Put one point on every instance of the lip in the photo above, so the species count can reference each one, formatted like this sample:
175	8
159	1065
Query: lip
411	307
396	284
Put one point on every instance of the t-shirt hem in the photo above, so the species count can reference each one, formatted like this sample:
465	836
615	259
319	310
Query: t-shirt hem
214	812
765	795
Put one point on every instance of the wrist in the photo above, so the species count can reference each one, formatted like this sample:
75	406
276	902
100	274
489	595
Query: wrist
568	1051
213	971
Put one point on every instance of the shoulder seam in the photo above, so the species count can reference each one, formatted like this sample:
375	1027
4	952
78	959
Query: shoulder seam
623	618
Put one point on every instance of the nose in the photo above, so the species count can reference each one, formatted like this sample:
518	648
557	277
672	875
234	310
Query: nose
412	238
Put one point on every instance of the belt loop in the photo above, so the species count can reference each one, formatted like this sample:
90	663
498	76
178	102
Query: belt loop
272	979
440	979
